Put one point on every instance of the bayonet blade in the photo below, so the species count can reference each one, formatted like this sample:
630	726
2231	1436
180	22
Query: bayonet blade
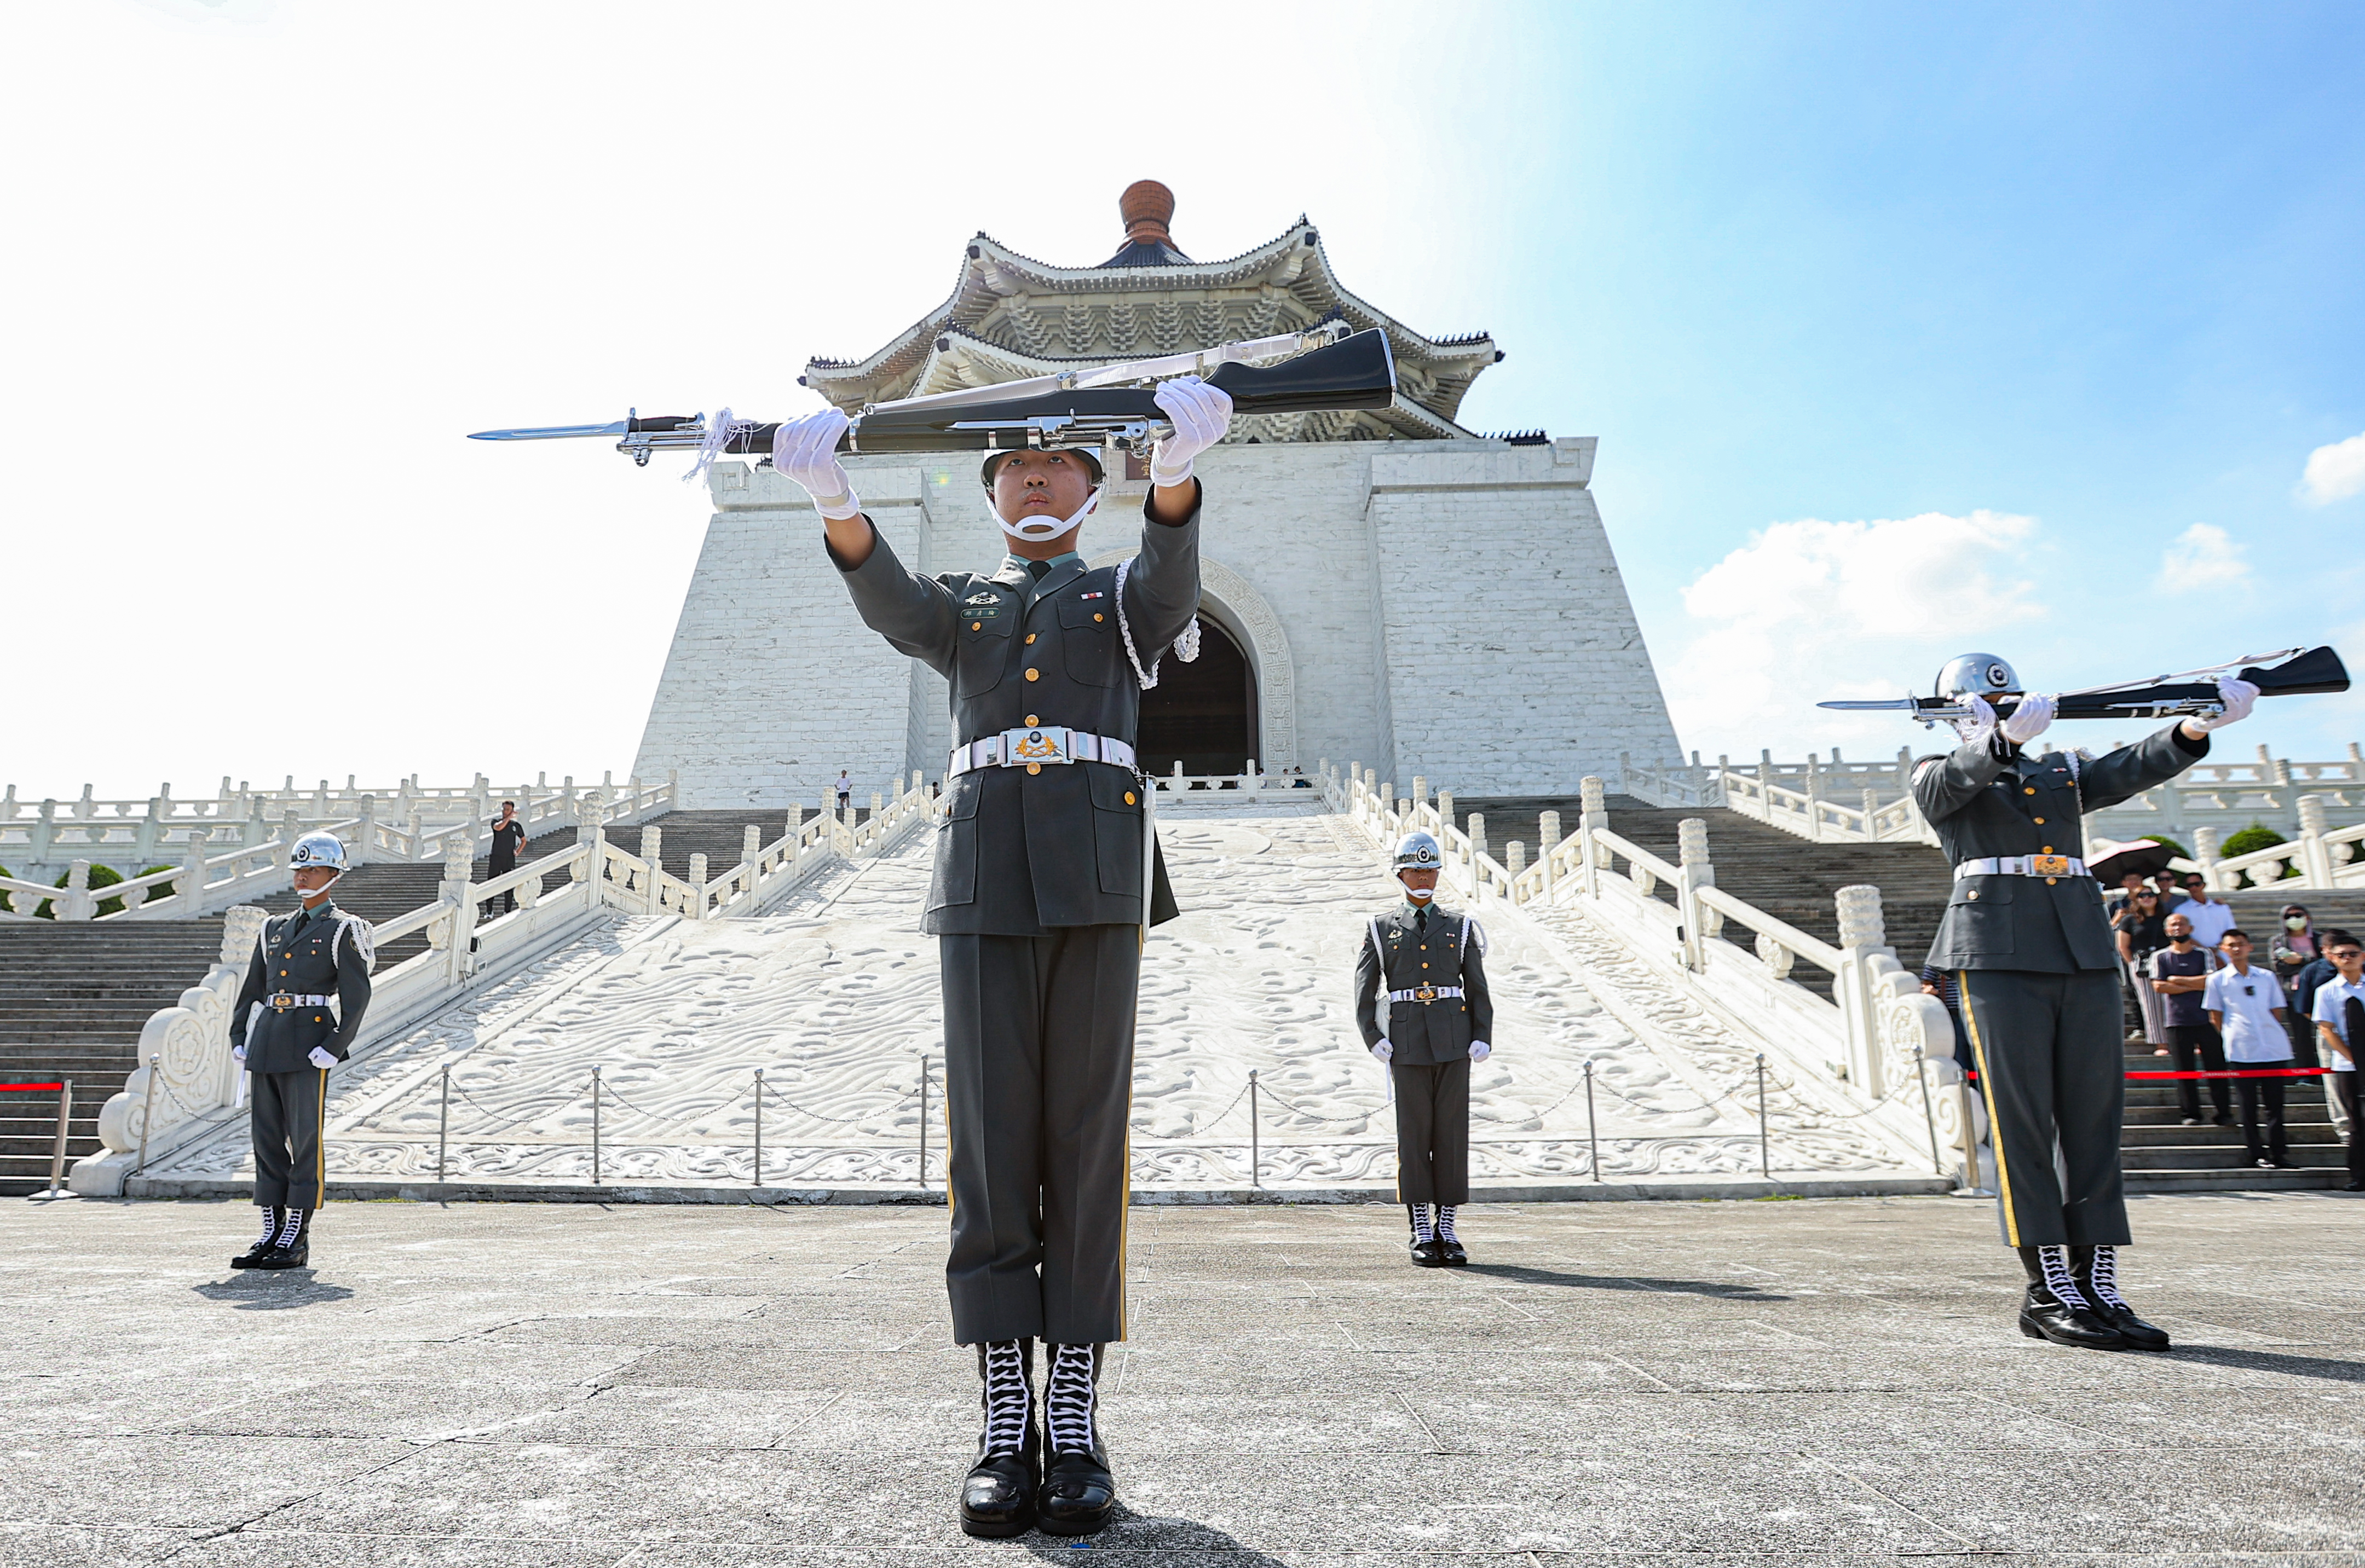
554	432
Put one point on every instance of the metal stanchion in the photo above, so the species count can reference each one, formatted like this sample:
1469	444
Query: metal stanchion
756	1179
1929	1116
1255	1150
1765	1145
595	1126
924	1121
443	1126
58	1155
1592	1127
147	1112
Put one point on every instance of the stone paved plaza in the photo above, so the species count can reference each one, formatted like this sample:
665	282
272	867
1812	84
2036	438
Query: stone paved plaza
542	1386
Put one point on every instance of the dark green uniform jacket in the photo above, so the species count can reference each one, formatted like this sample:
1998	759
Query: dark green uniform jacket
1985	802
1021	853
318	952
1453	952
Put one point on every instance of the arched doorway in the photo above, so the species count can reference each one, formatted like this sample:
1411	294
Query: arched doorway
1202	714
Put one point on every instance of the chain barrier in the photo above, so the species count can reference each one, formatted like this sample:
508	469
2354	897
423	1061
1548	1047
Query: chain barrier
1199	1129
765	1087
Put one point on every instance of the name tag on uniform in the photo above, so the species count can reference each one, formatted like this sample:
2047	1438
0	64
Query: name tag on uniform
2048	865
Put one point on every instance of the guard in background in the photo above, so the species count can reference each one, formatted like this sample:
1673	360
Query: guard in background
296	1018
1042	897
2025	931
1431	964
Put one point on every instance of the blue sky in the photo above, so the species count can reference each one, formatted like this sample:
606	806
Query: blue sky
1905	330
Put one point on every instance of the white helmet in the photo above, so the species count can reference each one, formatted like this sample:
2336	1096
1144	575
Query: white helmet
318	849
1976	674
1419	852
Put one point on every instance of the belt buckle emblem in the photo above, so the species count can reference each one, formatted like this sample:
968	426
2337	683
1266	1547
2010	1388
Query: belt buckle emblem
1037	745
283	1003
2048	865
1426	993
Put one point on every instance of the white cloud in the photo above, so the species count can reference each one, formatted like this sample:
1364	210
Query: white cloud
1812	610
2204	557
2334	472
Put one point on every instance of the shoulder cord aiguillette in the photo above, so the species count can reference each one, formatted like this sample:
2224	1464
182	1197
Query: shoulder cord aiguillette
1186	646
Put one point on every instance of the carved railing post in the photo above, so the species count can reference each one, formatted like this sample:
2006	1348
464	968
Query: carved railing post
75	902
2205	853
2314	855
1698	872
1862	936
1814	788
1548	838
366	838
1591	814
459	860
593	867
652	842
1871	815
697	887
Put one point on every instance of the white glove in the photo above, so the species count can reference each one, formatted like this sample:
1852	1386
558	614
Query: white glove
806	451
1200	414
237	1053
1981	723
2237	695
320	1057
1384	1051
1480	1051
2030	720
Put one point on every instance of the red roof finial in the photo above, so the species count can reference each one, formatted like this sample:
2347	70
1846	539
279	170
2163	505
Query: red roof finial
1146	207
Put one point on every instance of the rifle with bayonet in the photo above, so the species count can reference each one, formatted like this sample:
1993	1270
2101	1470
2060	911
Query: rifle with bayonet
2287	672
1295	373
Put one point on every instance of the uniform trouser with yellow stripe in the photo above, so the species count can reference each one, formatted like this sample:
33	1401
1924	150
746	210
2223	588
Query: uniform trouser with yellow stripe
1038	1078
287	1111
1432	1132
2052	1073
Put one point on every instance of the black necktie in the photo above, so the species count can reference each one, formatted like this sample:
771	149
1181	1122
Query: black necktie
1037	569
1420	918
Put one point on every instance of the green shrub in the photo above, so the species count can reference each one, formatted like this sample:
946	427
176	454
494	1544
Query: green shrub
2255	837
2181	852
100	877
4	897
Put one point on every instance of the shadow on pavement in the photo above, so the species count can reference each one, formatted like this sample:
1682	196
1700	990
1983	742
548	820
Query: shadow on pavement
1179	1543
2273	1362
276	1290
1621	1283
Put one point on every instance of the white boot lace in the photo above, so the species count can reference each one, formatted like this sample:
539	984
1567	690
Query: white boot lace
1009	1403
292	1228
2059	1278
270	1226
1421	1229
2105	1275
1445	1223
1070	1400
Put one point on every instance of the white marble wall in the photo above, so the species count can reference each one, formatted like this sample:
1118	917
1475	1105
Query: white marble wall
1449	609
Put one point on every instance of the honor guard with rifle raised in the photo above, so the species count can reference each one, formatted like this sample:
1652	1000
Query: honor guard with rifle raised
306	990
1428	965
2026	935
1043	894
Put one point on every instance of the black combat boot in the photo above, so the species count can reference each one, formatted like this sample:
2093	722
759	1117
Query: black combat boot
254	1256
292	1248
1079	1495
998	1494
1425	1252
1449	1250
2056	1310
2096	1270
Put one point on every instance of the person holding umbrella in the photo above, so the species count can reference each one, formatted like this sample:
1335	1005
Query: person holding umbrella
2291	950
2138	924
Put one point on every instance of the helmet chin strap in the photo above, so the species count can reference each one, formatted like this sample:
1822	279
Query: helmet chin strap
1041	530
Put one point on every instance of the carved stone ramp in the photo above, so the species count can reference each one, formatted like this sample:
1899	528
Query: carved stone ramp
835	998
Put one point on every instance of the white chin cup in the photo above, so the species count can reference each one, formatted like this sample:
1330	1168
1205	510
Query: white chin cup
1421	895
323	888
1041	530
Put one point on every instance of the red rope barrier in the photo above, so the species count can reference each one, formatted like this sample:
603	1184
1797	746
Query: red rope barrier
2254	1073
32	1088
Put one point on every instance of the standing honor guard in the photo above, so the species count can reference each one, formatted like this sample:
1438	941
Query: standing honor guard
2027	932
296	1018
1037	900
1431	966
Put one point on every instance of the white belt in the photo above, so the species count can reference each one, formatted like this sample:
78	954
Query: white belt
1035	746
1424	993
2024	866
283	1001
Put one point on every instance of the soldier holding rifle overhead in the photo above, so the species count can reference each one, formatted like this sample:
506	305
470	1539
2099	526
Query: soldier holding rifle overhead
1043	893
2027	932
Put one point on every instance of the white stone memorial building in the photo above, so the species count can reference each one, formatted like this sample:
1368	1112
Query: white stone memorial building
1387	587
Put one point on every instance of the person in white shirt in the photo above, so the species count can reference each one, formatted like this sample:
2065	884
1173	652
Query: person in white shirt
2246	1005
2211	917
2339	1021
